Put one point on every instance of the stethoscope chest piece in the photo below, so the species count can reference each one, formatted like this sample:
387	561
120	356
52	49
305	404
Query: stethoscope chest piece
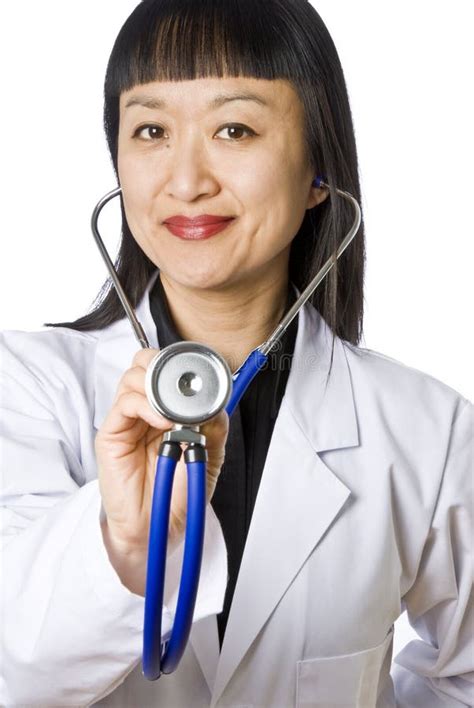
188	383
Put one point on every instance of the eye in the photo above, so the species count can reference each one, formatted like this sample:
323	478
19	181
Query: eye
237	128
149	127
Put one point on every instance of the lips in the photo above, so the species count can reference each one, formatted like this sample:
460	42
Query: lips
196	221
197	228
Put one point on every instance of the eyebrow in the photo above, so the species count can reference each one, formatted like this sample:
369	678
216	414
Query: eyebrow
219	100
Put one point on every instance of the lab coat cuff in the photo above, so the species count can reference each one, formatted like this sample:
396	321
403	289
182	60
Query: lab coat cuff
102	578
107	586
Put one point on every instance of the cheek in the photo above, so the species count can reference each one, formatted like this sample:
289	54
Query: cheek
277	201
136	190
256	186
133	177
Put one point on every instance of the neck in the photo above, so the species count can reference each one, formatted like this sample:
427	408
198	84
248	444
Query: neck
233	321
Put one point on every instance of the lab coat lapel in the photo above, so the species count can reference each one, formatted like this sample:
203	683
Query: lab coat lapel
299	496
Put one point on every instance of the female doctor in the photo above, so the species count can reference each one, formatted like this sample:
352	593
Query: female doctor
338	491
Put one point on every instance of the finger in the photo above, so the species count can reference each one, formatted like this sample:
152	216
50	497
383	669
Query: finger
143	357
129	407
216	430
132	380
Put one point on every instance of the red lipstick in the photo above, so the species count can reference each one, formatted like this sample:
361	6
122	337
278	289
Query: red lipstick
198	227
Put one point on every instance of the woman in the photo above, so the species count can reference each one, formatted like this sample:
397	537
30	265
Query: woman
338	491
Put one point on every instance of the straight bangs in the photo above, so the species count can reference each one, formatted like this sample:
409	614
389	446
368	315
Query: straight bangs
167	40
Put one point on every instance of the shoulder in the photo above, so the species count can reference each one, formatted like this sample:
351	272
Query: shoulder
46	349
416	427
47	361
402	394
59	370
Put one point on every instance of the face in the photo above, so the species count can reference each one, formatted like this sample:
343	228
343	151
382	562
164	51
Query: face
192	151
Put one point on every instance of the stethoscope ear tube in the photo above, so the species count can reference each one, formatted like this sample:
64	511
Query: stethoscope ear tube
157	657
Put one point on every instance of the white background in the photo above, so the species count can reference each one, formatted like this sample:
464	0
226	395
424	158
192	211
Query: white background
408	67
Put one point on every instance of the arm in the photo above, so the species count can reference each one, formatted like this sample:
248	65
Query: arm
72	631
437	671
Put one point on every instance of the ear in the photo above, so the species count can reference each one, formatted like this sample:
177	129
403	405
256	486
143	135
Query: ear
316	196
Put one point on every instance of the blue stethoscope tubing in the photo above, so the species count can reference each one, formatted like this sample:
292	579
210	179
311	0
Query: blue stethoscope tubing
158	658
163	656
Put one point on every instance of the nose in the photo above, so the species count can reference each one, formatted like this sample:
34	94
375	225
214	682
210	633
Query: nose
190	174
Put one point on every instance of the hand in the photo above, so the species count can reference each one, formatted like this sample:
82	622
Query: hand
127	446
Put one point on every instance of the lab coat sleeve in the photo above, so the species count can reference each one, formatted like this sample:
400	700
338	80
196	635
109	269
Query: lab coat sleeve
71	632
438	669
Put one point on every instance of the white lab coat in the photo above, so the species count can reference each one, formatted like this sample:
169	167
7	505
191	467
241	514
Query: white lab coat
363	510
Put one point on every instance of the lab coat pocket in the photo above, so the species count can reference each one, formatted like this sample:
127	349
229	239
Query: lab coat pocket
343	681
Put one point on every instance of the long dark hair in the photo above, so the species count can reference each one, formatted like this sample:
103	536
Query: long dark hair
175	40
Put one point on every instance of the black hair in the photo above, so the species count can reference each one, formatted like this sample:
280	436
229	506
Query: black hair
175	40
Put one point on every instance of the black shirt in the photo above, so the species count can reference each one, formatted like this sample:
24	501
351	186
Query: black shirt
250	430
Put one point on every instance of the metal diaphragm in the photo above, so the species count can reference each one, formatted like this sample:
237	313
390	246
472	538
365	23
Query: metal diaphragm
188	383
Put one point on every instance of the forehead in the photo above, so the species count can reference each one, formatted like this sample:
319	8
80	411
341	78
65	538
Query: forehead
208	94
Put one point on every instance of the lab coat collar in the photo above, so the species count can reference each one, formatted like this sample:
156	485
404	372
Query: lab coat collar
299	496
323	408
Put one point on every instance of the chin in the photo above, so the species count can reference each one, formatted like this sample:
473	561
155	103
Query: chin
202	278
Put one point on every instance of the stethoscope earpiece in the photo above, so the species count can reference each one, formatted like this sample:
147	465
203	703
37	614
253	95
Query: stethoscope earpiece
320	181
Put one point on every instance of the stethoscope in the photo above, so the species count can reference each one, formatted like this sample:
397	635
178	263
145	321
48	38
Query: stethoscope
189	383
